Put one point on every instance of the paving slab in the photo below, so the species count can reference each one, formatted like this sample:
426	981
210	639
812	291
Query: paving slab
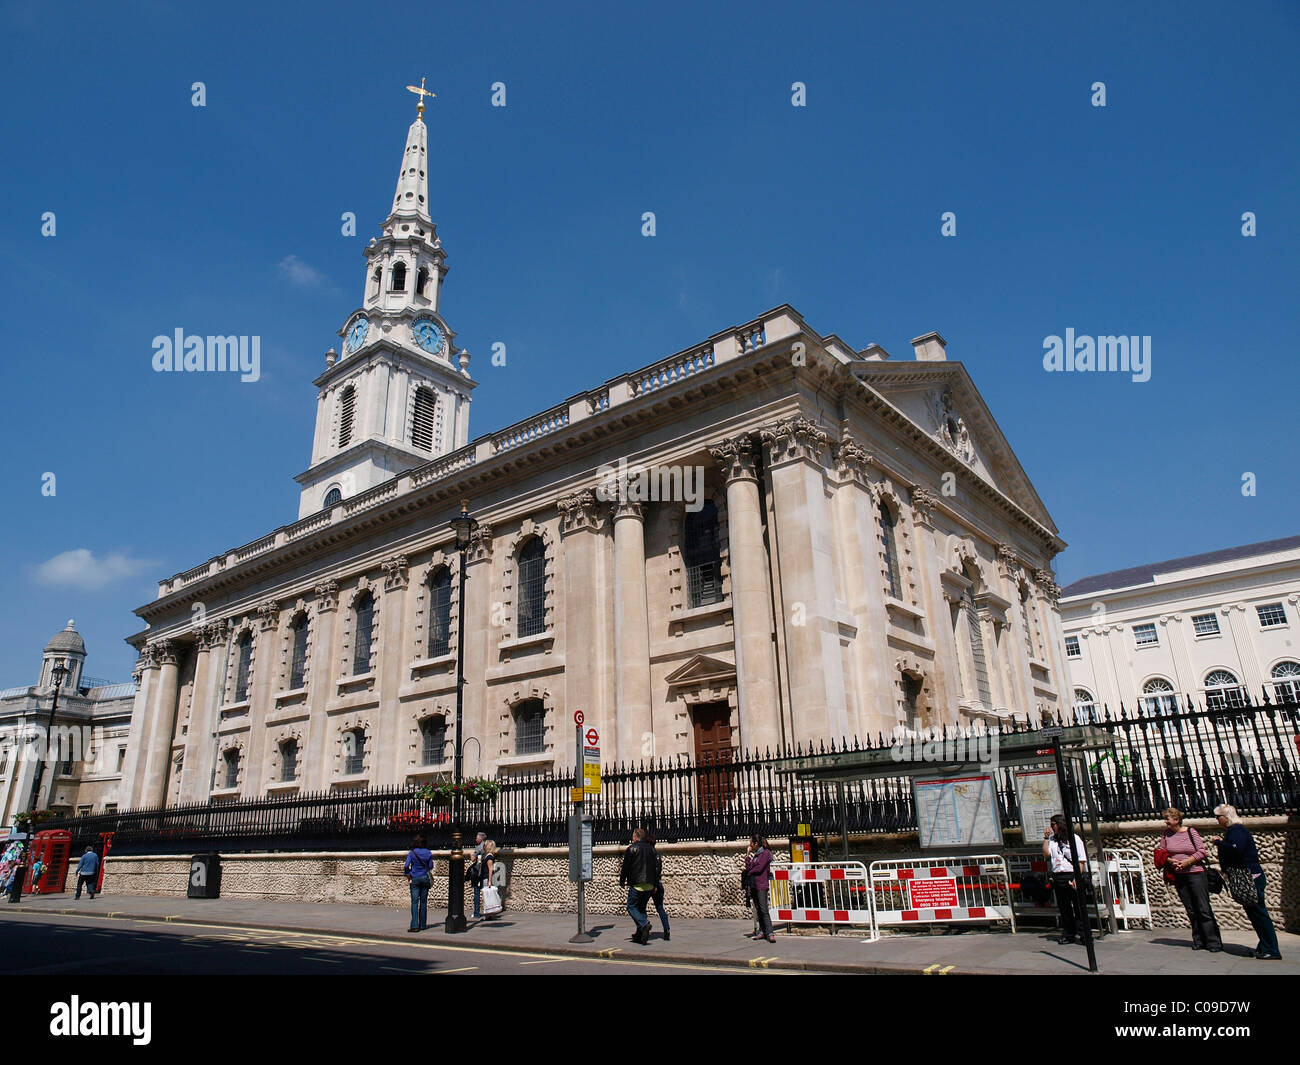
724	943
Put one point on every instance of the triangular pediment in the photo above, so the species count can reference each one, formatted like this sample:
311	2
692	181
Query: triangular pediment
701	670
940	399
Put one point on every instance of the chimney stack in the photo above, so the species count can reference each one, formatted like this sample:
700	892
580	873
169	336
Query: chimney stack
930	348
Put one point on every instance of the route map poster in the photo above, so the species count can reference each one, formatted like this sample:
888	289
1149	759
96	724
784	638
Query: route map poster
1039	795
957	811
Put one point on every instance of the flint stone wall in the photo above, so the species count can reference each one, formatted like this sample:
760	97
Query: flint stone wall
700	879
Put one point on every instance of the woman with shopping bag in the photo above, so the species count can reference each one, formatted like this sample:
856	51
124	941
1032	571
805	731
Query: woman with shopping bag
494	877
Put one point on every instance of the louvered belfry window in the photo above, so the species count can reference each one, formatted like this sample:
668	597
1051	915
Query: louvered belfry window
347	412
422	418
532	588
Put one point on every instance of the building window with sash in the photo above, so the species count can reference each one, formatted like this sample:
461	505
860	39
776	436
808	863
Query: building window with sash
531	588
1158	698
298	652
230	778
889	542
363	616
243	664
433	740
702	555
530	727
1223	690
288	761
440	612
1286	682
354	751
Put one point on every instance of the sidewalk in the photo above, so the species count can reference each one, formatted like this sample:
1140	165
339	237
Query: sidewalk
712	942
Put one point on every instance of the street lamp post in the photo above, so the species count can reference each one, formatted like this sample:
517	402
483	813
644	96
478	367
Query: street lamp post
58	673
463	525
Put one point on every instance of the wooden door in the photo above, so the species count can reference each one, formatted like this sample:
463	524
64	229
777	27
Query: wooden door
713	754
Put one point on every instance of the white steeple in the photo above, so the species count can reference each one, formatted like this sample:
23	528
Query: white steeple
398	394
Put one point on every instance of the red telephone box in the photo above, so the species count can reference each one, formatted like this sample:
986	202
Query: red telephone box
105	845
51	847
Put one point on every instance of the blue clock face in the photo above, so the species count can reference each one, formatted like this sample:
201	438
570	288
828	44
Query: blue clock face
357	333
428	335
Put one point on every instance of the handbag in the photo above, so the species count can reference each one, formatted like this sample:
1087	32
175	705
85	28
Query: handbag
1241	885
1213	880
492	901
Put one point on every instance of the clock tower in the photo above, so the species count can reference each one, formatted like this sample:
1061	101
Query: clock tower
398	394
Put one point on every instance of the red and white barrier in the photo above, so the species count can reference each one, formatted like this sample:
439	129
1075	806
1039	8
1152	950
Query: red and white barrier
917	891
820	893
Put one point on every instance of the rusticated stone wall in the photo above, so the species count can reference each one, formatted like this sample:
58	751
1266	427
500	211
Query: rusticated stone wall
701	879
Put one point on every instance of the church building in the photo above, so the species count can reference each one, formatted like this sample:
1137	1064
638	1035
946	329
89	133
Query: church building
769	537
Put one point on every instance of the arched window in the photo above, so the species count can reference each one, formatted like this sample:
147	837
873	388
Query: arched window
1286	681
347	412
231	777
399	276
243	664
422	412
354	751
421	280
1223	690
530	727
440	612
889	538
289	760
532	588
433	740
333	497
1027	619
298	652
702	556
1158	697
1085	707
363	614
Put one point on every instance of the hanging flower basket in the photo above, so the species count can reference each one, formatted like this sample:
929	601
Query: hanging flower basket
473	790
32	817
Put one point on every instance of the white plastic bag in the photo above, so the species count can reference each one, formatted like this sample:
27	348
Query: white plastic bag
491	901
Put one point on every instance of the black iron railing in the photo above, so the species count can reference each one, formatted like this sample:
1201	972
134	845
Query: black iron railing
1175	754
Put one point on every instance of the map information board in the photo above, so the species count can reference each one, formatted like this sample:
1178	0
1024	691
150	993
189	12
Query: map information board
957	811
1039	795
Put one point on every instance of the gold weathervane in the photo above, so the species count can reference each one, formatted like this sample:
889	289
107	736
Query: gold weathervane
421	92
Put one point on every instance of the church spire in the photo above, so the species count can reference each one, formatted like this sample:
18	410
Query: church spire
412	198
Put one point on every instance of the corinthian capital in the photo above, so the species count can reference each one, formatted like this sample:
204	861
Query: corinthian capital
923	503
395	572
578	511
796	438
268	615
480	543
852	461
1044	578
163	652
736	458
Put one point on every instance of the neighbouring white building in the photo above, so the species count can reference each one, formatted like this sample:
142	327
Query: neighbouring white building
837	544
87	752
1217	628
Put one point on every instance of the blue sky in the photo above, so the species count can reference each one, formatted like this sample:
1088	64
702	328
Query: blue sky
225	219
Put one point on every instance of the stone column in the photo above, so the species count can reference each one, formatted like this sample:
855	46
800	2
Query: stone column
128	787
633	717
153	782
266	667
197	769
937	604
481	638
1018	674
394	654
586	593
751	597
321	681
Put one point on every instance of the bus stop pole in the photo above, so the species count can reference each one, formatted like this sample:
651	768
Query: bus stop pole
1107	896
1067	803
844	820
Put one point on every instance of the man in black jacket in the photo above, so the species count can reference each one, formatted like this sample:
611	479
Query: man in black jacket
640	875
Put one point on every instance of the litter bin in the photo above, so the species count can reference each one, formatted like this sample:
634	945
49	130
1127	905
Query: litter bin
205	877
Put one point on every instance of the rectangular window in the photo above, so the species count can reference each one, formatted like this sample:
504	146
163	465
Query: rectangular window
1072	647
1205	624
84	811
121	758
1145	635
110	807
1271	615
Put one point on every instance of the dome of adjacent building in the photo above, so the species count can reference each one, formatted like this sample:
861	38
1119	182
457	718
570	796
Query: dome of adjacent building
68	641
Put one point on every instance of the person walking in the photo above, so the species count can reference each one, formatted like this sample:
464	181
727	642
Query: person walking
477	874
38	871
638	874
1185	854
658	896
494	882
1239	858
419	867
88	872
758	863
1065	879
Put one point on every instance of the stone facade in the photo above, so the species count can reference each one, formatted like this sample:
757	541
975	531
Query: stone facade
767	538
701	879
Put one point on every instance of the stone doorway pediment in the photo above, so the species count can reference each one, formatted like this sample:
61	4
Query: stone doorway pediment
702	679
